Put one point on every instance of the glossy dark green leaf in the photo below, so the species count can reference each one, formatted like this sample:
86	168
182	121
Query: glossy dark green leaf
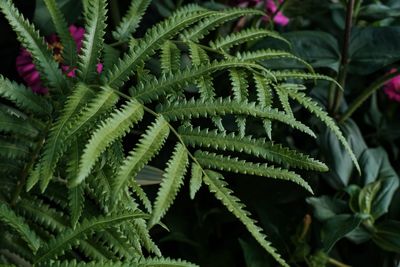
337	227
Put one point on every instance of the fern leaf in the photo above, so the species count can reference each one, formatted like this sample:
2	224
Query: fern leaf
217	185
118	243
155	88
95	24
76	199
314	108
203	28
68	238
131	20
195	109
110	57
13	150
266	54
284	99
146	47
151	142
226	163
144	236
170	57
57	143
69	50
239	88
285	75
156	262
257	147
264	97
17	125
196	180
29	37
173	179
23	97
18	224
244	36
165	262
114	127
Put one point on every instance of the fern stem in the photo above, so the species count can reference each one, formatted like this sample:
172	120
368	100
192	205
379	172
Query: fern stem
367	93
25	172
336	94
337	263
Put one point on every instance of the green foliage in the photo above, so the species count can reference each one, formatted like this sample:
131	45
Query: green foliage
72	142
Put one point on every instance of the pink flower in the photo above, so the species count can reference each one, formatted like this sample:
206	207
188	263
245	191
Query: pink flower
392	87
27	70
270	8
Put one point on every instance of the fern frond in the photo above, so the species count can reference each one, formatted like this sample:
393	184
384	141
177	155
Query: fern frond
284	99
114	127
18	224
244	36
151	142
30	38
170	57
226	163
203	28
217	185
155	88
76	199
110	57
17	125
173	180
199	108
13	150
23	97
118	243
131	20
69	51
285	75
56	143
256	147
239	88
314	108
164	262
153	39
265	54
264	97
196	179
142	232
68	238
95	24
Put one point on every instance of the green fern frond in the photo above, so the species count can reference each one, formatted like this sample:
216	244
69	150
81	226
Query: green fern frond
170	57
153	39
110	57
114	127
200	108
18	224
17	125
164	262
285	75
264	98
217	185
226	163
13	150
203	28
257	147
266	54
118	243
169	187
151	142
30	38
314	108
68	238
196	179
23	97
57	143
131	20
244	36
284	99
95	24
239	88
69	51
171	82
142	232
76	199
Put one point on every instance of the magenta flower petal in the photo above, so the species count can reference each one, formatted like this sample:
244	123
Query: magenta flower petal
99	68
77	34
271	9
392	88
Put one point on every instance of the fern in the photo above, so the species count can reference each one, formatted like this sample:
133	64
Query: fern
72	142
131	20
93	39
173	179
29	37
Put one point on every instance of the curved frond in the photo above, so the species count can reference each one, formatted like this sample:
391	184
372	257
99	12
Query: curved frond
131	20
173	180
170	57
226	163
30	38
114	127
18	224
196	179
217	185
244	36
95	24
151	142
17	125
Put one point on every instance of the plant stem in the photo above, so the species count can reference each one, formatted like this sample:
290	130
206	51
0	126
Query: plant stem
337	263
367	93
336	94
